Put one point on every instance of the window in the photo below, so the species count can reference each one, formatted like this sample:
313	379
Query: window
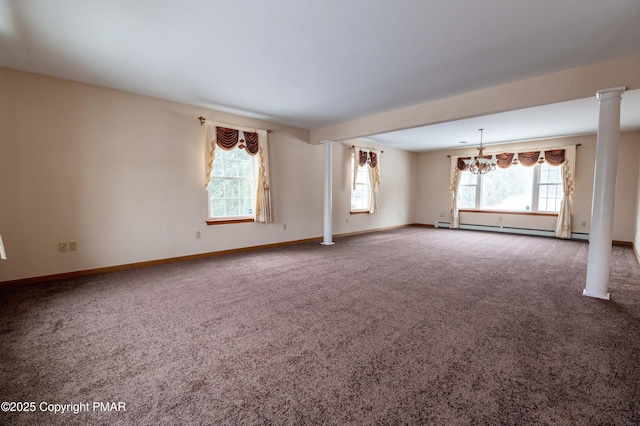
361	193
517	188
232	186
237	175
550	188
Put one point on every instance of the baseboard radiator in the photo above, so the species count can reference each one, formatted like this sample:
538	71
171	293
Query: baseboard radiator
512	230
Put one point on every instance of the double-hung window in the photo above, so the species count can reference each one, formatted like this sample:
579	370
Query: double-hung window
232	185
365	177
517	188
361	191
237	175
550	192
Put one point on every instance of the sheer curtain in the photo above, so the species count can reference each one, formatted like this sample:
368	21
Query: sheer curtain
263	192
3	253
563	224
454	214
254	141
374	181
359	160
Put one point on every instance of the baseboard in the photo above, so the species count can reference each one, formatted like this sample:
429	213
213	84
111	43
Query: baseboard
366	231
576	236
116	268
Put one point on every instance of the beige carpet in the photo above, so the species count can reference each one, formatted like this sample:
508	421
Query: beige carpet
410	326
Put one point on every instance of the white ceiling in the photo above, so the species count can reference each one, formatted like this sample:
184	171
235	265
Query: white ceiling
314	63
579	117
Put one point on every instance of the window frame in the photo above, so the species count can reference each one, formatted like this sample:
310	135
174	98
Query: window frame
535	211
367	183
245	218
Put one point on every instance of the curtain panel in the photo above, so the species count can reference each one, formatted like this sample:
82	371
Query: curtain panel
254	141
457	167
263	194
361	161
3	253
564	224
374	181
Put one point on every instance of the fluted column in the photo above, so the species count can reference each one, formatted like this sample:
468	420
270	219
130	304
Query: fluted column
604	188
328	194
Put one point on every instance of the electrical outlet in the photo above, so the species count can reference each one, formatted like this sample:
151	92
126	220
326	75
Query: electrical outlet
197	235
500	218
73	246
284	226
584	223
346	220
62	247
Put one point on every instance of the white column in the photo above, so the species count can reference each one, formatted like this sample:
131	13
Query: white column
328	194
604	187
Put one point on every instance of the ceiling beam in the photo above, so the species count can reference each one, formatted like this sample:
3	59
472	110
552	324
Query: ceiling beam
575	83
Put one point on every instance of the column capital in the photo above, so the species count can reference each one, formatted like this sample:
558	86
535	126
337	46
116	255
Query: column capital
325	142
611	92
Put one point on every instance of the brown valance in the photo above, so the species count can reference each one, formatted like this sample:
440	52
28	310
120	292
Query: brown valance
251	142
528	159
370	158
505	160
373	160
462	166
227	139
362	158
555	157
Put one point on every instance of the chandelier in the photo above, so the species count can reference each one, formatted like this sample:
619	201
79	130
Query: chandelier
481	164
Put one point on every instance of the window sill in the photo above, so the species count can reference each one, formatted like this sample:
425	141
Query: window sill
228	221
552	214
359	212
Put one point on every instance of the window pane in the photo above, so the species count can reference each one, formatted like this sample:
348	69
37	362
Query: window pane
231	189
468	178
550	174
246	206
467	197
508	189
244	188
218	163
550	197
216	207
232	207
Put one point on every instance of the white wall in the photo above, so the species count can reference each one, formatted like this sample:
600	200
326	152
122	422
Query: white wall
396	197
636	240
625	213
434	200
123	175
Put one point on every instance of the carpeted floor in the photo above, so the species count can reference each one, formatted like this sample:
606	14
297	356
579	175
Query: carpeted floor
409	326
